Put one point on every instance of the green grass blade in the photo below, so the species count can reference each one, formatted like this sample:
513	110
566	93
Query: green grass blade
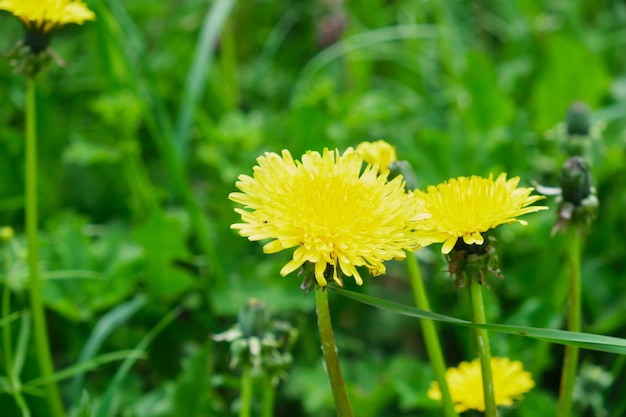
361	40
582	340
90	365
105	326
8	319
22	345
196	80
122	372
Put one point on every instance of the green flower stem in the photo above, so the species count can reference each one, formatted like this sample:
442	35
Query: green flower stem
331	359
42	346
246	392
269	394
431	339
570	360
482	342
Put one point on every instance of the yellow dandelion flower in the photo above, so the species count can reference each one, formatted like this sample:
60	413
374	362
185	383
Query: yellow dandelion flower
510	382
378	153
465	207
334	213
42	16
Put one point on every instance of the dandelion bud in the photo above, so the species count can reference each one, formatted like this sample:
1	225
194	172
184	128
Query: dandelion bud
253	318
575	180
578	202
578	119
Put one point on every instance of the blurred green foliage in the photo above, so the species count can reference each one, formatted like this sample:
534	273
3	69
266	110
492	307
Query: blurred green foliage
460	88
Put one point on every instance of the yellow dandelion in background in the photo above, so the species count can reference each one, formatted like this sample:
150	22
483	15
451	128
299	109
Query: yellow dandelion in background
378	153
510	382
334	213
42	16
465	207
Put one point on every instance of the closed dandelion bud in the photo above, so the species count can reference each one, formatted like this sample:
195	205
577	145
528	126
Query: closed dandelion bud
578	203
578	119
253	318
578	138
575	180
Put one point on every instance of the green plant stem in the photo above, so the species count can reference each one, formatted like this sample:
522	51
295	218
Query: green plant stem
570	360
269	395
44	356
431	339
246	392
331	358
482	343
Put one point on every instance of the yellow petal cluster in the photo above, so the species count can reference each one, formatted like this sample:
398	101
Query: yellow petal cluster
378	153
510	382
332	211
42	16
464	207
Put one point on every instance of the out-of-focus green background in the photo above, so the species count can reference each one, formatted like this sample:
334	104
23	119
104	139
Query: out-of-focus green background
144	132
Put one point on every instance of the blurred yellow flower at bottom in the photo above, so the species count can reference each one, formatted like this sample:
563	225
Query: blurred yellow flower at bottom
510	382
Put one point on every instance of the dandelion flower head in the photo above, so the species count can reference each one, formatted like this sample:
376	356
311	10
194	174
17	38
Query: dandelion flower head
465	207
335	213
510	382
378	153
42	16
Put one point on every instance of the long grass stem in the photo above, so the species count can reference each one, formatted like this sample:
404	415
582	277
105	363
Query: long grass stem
482	343
269	396
42	345
331	358
246	392
570	360
431	339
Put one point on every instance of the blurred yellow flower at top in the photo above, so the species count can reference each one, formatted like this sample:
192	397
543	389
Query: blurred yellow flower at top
510	382
42	16
464	207
338	216
378	153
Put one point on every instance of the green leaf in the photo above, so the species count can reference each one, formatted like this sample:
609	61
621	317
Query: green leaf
72	286
583	340
163	239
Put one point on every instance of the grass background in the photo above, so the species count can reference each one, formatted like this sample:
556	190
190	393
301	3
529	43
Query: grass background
163	104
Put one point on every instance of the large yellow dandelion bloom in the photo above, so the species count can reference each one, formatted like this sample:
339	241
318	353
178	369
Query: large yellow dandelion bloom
42	16
378	153
510	382
334	213
465	207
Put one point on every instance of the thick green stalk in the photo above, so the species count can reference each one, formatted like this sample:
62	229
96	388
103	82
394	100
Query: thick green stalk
269	395
431	339
246	392
482	342
331	358
42	346
570	360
